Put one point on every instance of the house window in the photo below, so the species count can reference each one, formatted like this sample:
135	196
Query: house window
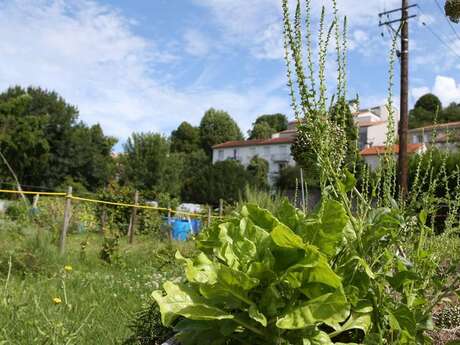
221	155
426	137
362	137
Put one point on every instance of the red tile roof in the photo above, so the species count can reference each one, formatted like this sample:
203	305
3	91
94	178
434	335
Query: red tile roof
380	150
241	143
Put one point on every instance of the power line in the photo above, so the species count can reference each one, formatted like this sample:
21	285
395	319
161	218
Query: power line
447	19
438	37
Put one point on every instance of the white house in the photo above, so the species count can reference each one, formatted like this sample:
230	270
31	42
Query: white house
372	124
373	154
442	136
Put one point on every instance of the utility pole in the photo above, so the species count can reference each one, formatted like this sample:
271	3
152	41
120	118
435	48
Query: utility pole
403	33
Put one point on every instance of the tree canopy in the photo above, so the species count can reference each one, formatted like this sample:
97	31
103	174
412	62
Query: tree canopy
185	138
428	109
452	8
46	144
217	127
261	130
145	161
266	125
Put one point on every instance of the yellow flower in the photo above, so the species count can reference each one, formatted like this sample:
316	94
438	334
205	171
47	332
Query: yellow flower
57	300
68	268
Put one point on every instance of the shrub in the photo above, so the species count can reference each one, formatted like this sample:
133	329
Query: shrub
18	211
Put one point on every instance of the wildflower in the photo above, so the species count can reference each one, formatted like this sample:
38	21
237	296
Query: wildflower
57	300
68	268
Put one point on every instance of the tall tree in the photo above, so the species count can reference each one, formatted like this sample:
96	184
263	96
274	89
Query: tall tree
144	161
217	127
452	8
185	138
261	130
451	112
46	144
426	109
276	122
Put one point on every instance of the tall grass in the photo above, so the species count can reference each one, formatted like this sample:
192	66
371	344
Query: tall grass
97	300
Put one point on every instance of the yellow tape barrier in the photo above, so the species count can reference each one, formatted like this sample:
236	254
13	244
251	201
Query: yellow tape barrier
29	192
108	202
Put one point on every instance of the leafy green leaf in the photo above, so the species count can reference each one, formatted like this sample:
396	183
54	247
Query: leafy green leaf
183	301
255	314
328	231
260	216
330	309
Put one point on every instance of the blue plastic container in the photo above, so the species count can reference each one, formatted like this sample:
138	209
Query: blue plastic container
181	229
196	226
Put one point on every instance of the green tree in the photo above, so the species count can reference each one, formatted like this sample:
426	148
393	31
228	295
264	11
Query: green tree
185	138
425	111
275	122
288	179
171	181
429	102
196	165
261	130
145	161
451	113
222	180
278	122
46	144
258	170
452	8
226	180
217	127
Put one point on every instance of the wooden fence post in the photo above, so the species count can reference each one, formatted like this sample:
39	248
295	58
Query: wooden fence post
132	220
103	219
67	216
302	188
209	216
35	202
221	207
169	225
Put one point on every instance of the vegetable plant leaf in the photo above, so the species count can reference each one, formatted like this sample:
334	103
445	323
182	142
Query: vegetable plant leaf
183	301
331	309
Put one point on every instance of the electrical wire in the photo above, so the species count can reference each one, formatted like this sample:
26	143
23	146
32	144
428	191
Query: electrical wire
438	37
447	19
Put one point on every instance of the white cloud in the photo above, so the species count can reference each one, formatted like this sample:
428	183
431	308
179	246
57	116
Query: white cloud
196	43
257	24
90	55
446	89
418	92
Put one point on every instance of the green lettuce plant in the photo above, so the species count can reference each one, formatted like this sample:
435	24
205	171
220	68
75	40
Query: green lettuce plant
296	279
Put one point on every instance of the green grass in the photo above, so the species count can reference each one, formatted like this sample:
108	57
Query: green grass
98	299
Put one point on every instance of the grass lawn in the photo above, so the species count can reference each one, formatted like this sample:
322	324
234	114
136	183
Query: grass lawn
92	302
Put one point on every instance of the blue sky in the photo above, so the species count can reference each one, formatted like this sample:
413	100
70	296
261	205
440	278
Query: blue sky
147	65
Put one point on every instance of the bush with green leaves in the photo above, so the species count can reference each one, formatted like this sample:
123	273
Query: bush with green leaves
294	279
